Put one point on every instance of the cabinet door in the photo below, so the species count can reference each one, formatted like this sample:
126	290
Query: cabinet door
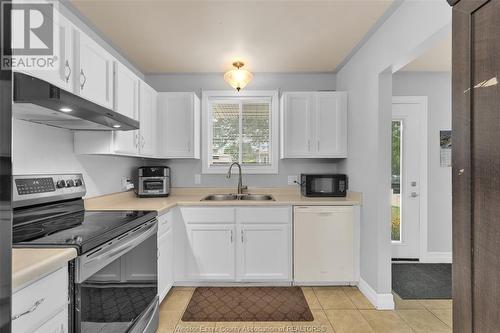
264	252
296	122
63	75
126	102
148	120
210	253
330	125
178	116
165	262
58	323
95	72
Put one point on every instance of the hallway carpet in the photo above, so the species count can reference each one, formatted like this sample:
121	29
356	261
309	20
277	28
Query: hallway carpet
218	304
422	281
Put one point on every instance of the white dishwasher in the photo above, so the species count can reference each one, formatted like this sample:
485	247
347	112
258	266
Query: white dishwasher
324	245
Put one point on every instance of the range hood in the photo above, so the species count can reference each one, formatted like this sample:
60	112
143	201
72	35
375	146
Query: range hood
40	102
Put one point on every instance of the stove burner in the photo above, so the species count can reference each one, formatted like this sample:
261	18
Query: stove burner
26	233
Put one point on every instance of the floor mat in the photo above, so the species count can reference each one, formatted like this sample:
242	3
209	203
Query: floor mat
422	281
248	304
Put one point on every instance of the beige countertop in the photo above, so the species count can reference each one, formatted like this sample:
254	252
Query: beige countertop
28	265
192	197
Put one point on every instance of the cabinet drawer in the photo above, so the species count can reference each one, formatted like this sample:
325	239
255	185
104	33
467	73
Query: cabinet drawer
208	215
265	215
165	222
38	302
57	324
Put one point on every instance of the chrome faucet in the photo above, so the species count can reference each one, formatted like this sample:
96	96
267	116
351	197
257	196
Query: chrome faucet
240	182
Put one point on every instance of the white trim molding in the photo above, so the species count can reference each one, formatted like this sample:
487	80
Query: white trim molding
436	257
379	301
424	155
207	96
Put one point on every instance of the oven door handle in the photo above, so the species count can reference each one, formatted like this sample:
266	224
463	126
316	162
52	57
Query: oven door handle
86	266
135	239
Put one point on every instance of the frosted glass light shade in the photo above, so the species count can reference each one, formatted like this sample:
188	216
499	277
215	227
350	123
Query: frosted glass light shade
238	78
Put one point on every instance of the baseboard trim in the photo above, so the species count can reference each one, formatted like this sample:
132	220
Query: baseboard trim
379	301
437	257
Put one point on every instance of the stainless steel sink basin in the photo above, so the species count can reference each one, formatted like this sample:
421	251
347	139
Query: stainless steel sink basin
231	197
257	197
220	197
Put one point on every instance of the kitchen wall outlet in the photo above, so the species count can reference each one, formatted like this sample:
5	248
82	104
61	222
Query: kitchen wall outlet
292	180
197	179
127	183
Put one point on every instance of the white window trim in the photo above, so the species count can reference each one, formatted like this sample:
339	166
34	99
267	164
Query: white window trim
206	139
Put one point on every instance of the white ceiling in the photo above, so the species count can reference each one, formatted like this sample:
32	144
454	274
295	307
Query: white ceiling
436	59
207	36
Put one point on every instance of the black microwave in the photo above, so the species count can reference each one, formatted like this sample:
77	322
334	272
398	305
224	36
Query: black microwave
323	185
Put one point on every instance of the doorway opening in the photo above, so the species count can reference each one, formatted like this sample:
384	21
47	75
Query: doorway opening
421	177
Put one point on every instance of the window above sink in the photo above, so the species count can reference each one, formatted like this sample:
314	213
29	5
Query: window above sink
240	127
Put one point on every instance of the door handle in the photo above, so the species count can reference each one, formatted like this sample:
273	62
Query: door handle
30	310
414	194
242	237
231	236
69	71
82	74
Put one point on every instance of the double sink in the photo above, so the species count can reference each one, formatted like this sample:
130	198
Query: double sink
231	197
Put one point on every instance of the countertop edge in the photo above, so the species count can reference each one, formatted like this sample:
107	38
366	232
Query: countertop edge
31	264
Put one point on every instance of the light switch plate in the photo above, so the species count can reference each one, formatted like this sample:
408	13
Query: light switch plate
197	179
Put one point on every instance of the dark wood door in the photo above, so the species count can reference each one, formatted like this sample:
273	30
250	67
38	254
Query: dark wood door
476	166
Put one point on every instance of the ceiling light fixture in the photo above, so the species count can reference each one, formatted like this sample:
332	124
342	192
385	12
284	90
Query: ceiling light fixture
117	126
65	109
238	78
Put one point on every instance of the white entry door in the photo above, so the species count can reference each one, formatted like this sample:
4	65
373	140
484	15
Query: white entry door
408	148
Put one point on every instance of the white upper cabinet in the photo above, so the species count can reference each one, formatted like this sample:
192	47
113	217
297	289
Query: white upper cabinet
64	73
134	99
178	125
147	118
331	124
296	117
314	125
126	102
94	77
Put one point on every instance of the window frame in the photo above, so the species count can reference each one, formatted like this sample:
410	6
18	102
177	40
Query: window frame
207	138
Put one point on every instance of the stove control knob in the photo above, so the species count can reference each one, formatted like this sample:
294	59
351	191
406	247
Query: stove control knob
70	183
78	182
61	184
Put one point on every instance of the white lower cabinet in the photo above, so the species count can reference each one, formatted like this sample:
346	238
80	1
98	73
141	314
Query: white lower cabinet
58	324
165	254
211	255
264	252
42	306
237	244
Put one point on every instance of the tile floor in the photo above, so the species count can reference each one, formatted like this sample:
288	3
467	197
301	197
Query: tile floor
335	310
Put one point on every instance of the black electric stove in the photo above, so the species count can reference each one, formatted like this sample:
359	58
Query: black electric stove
65	222
113	282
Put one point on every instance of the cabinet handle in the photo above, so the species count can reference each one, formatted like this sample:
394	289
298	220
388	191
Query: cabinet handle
231	236
30	310
308	145
143	141
136	140
242	237
69	71
82	74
